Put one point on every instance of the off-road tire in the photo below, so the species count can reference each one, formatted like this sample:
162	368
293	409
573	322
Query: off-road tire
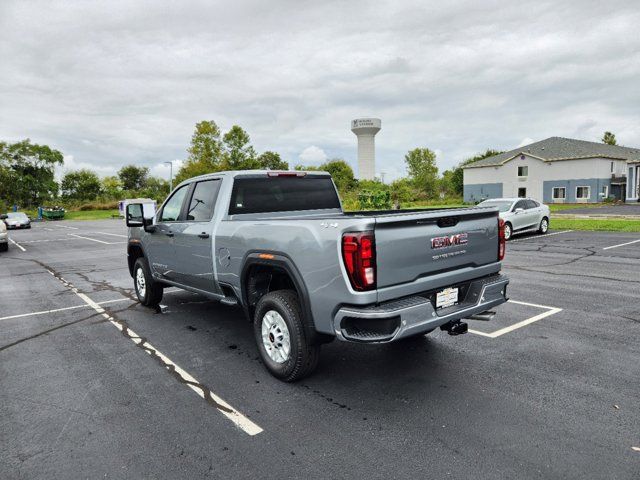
303	356
153	290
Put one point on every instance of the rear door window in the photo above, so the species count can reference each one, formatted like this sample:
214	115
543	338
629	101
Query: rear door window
282	194
203	201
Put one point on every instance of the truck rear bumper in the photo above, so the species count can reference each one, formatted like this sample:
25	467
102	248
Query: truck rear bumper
396	319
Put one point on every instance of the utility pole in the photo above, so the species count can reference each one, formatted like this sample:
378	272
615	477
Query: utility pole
170	176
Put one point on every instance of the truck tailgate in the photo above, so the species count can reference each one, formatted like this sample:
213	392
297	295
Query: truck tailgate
410	246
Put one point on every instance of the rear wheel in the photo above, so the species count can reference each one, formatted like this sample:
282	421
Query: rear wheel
4	247
508	231
148	291
544	225
279	332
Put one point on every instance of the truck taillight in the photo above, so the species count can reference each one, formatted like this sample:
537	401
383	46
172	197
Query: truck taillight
502	244
359	255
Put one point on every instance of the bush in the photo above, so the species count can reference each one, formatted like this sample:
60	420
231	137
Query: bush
374	200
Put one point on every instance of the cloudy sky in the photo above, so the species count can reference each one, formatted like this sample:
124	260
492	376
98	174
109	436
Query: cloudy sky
118	82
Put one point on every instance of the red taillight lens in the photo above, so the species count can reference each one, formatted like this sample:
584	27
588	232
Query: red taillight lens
359	255
502	244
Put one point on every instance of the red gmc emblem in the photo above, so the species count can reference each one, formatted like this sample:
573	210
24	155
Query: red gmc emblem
448	241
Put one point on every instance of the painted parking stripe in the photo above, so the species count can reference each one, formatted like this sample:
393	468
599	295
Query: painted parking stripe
45	312
113	234
550	311
241	421
94	239
17	244
66	226
620	245
540	236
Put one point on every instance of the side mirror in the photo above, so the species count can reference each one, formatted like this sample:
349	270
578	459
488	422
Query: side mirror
134	216
519	210
3	217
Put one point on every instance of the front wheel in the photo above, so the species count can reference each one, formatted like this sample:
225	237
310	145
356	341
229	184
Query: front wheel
280	334
148	291
508	231
544	225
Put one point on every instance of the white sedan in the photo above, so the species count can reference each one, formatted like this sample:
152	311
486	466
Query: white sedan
520	214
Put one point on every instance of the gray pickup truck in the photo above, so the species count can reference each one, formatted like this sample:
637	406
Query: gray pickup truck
305	272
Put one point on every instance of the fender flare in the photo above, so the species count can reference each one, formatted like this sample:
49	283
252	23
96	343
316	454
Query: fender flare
130	245
284	262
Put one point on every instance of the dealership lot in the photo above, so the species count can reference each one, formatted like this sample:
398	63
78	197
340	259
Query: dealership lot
94	385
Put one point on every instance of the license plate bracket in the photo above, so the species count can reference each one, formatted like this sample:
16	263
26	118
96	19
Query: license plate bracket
447	297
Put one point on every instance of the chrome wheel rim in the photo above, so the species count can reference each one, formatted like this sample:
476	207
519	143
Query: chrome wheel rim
141	283
275	337
545	226
507	232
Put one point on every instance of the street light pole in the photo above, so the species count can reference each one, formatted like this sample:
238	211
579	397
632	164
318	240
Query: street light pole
170	176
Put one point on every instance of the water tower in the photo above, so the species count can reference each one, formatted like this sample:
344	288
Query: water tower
366	129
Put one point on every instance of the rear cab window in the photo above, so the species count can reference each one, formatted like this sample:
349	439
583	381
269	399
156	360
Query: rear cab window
282	194
203	201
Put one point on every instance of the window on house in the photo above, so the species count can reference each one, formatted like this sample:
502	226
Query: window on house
583	193
559	193
605	191
611	167
522	192
523	171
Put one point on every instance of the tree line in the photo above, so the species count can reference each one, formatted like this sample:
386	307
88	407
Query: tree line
27	173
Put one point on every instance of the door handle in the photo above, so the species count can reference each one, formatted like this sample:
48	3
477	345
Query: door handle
169	234
204	235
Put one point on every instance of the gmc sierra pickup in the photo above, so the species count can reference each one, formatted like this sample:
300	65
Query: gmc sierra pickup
305	272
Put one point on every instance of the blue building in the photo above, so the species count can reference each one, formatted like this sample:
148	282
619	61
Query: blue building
557	170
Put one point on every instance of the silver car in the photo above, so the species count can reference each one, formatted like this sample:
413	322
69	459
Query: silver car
17	220
4	237
520	214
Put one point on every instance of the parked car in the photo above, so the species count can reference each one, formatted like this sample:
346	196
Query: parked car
520	214
305	272
4	236
17	220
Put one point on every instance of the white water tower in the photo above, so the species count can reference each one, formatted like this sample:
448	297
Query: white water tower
366	129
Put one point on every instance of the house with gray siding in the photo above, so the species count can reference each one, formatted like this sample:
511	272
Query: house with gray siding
557	170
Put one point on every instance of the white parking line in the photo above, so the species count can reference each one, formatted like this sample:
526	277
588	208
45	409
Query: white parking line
223	407
45	312
620	245
550	311
112	234
540	236
17	244
66	226
94	239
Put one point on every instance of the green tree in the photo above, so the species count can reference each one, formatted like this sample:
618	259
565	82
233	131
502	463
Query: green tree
81	185
454	179
402	191
423	171
112	187
342	174
27	173
272	161
205	152
238	154
133	178
156	188
609	138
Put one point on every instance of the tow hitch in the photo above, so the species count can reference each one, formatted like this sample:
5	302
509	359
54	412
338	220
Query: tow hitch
455	328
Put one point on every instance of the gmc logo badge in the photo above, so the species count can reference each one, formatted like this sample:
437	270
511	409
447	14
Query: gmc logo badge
449	241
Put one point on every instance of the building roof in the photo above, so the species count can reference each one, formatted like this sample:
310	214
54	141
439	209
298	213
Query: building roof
554	149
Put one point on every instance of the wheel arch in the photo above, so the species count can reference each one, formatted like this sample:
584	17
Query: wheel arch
134	251
264	272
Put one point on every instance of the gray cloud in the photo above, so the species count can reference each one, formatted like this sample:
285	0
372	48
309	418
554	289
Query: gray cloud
121	82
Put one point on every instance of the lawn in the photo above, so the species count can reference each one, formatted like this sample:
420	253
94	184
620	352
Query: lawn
90	214
557	207
608	225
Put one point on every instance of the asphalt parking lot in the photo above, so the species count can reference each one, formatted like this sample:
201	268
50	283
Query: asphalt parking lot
92	384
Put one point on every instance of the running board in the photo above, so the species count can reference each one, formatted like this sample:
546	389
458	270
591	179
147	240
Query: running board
229	301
